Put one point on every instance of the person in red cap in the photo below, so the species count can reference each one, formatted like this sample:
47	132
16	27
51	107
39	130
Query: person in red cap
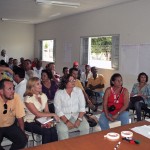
76	65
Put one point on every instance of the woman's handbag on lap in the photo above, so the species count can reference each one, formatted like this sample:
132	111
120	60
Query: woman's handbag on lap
135	99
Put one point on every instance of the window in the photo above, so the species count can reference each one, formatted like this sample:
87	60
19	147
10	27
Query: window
48	49
100	51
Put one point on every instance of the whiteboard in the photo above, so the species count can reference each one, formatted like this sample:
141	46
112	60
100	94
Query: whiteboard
144	58
135	59
129	59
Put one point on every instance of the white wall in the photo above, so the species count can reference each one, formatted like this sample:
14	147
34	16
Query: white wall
17	39
130	20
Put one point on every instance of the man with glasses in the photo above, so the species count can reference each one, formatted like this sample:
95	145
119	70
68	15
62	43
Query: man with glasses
11	107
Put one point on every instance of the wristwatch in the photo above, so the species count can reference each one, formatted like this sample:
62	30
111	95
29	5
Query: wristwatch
80	119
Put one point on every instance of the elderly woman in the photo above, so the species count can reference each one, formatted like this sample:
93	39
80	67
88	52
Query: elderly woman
69	105
140	94
36	107
116	100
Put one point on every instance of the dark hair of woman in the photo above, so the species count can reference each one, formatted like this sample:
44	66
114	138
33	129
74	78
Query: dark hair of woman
113	78
142	74
64	82
49	74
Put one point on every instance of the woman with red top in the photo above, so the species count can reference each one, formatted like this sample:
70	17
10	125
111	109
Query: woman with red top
116	101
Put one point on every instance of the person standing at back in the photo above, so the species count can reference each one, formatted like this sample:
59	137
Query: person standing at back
3	56
11	108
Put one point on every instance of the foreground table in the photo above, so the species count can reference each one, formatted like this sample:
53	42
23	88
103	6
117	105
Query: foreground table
96	141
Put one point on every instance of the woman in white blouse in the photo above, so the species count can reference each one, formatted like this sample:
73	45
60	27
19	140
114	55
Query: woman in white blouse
36	107
69	105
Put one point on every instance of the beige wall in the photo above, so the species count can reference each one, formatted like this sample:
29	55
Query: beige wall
130	20
17	39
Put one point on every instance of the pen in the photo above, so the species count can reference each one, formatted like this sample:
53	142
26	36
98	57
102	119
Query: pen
132	141
117	146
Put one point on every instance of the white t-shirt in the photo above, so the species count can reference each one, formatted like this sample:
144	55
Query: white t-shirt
21	88
4	58
37	72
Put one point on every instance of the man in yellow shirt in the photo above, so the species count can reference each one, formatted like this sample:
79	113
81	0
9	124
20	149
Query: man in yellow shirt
95	83
11	107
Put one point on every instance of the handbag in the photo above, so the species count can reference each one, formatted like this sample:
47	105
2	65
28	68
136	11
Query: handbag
91	119
136	99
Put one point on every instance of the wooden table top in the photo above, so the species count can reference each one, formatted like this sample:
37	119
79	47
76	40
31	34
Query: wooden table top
96	141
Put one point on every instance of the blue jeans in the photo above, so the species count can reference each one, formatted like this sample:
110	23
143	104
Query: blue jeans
137	106
104	122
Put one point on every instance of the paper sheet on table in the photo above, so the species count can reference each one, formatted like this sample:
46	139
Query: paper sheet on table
147	120
143	130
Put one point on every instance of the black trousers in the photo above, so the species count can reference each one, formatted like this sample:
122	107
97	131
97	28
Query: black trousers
14	134
48	134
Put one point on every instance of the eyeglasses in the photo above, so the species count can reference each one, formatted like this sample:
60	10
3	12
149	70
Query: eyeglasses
72	80
5	109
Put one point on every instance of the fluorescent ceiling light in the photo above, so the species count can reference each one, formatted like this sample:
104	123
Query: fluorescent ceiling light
15	20
59	3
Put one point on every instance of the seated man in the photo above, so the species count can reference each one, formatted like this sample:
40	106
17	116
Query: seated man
86	75
11	107
95	83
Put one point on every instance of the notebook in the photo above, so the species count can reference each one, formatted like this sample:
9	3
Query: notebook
44	120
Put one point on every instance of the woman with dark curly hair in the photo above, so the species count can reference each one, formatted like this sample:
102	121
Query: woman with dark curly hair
69	105
49	87
140	94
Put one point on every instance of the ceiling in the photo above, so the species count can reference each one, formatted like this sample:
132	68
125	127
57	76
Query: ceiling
28	11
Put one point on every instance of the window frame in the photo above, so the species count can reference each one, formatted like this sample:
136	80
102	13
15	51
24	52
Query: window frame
54	50
85	54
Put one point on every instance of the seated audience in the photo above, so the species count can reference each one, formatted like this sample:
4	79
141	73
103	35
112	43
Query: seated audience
34	62
140	94
51	68
19	78
76	65
15	63
36	107
49	87
10	63
65	73
38	69
22	63
29	73
116	100
11	108
5	71
74	73
69	105
86	75
95	83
